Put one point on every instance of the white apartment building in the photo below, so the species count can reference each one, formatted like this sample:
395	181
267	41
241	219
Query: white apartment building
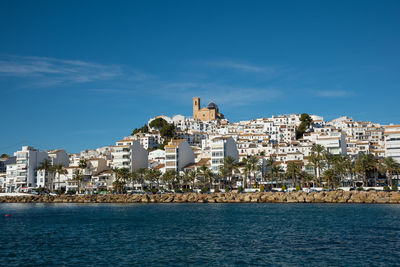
47	180
334	143
5	161
222	147
23	174
129	154
178	154
59	156
392	142
158	156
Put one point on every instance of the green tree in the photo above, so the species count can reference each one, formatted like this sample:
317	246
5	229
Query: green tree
4	156
158	123
168	131
306	123
143	129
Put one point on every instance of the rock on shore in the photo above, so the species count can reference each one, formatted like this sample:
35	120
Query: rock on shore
265	197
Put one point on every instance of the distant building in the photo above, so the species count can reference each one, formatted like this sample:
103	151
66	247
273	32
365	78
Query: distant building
178	154
392	142
334	143
209	113
23	174
59	156
129	154
5	161
222	147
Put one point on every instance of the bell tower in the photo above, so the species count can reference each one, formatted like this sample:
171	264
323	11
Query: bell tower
196	106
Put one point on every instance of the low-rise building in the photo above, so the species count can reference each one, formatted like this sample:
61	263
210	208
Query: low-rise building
24	174
129	154
222	147
178	154
392	142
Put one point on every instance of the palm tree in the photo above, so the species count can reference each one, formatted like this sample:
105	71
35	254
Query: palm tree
329	175
156	174
82	164
269	163
365	163
124	174
141	172
206	175
338	164
229	161
247	172
168	177
293	171
317	160
389	166
78	176
47	168
222	174
252	166
192	177
118	185
121	175
59	169
318	149
275	172
349	167
133	176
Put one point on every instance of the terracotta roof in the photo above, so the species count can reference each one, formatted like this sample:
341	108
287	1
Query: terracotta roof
392	126
204	161
174	143
159	166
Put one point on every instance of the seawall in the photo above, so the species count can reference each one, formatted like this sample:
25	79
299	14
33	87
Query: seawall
264	197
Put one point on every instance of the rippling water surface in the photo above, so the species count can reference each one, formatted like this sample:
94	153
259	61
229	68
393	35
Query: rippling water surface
200	234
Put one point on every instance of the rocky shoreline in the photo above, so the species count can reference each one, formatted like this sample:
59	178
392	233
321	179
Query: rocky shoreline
264	197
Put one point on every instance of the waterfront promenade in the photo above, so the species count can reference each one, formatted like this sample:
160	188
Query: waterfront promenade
259	197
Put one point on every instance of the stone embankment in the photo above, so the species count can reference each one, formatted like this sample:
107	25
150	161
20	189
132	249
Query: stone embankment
265	197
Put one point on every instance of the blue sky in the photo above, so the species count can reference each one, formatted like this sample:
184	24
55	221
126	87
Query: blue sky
82	74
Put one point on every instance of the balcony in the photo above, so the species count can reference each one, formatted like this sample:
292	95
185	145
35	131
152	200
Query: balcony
22	166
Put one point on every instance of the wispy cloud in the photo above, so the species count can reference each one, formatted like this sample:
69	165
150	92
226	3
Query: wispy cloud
45	71
333	93
126	82
244	67
225	94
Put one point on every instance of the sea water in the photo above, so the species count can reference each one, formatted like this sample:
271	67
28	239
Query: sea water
199	234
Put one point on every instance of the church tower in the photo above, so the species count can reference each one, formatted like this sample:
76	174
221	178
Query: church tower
196	106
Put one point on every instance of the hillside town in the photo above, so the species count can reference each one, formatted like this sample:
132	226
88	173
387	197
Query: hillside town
205	152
